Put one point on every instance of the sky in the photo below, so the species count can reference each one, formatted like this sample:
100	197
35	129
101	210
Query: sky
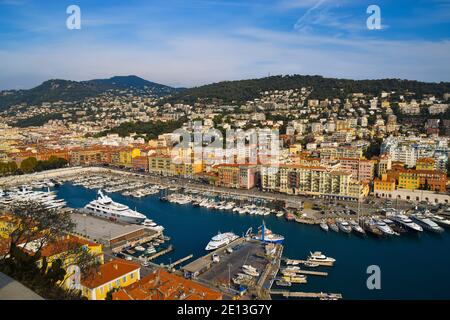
187	43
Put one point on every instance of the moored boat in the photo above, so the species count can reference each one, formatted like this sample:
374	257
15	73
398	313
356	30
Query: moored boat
344	226
324	226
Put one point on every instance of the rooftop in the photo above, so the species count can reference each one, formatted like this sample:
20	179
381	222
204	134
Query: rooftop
162	285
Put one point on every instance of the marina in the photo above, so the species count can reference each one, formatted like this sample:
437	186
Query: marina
190	227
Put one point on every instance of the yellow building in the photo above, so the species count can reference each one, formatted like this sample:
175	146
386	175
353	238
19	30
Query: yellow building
408	180
161	164
7	225
125	156
425	164
384	184
187	169
112	275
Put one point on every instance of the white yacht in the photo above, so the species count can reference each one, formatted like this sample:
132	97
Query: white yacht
220	240
319	257
404	221
427	223
441	221
357	228
105	207
383	227
324	226
150	224
344	226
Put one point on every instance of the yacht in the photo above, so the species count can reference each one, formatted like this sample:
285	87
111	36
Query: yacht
344	226
357	228
406	222
383	227
318	257
220	240
333	226
266	235
150	224
105	207
324	226
427	223
441	221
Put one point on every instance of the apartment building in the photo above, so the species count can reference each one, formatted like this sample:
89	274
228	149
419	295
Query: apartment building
361	170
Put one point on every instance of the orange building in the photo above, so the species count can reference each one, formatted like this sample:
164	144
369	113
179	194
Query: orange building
432	180
90	156
162	285
140	163
111	276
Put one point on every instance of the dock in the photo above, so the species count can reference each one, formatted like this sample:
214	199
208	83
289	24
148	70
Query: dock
179	261
312	273
296	262
319	295
162	252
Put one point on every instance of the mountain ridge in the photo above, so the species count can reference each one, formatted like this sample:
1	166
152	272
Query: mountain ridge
53	90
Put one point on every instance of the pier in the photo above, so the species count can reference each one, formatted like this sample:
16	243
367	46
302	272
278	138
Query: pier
296	262
312	273
179	261
319	295
162	252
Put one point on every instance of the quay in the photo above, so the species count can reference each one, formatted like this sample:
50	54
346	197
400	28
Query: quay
245	251
113	235
320	295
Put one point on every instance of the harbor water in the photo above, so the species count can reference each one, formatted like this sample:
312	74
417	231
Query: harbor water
412	266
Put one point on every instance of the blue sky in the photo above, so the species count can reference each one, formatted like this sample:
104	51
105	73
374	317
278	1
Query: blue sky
188	43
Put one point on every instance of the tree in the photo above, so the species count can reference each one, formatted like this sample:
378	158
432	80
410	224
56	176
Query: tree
29	165
374	148
36	227
8	168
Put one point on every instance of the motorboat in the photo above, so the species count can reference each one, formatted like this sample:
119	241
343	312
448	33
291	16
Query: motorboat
344	226
406	222
324	226
427	223
384	228
357	228
333	226
320	258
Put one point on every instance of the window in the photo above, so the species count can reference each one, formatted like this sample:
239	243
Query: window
132	276
124	279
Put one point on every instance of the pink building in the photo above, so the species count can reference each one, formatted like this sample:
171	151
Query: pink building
247	176
361	169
